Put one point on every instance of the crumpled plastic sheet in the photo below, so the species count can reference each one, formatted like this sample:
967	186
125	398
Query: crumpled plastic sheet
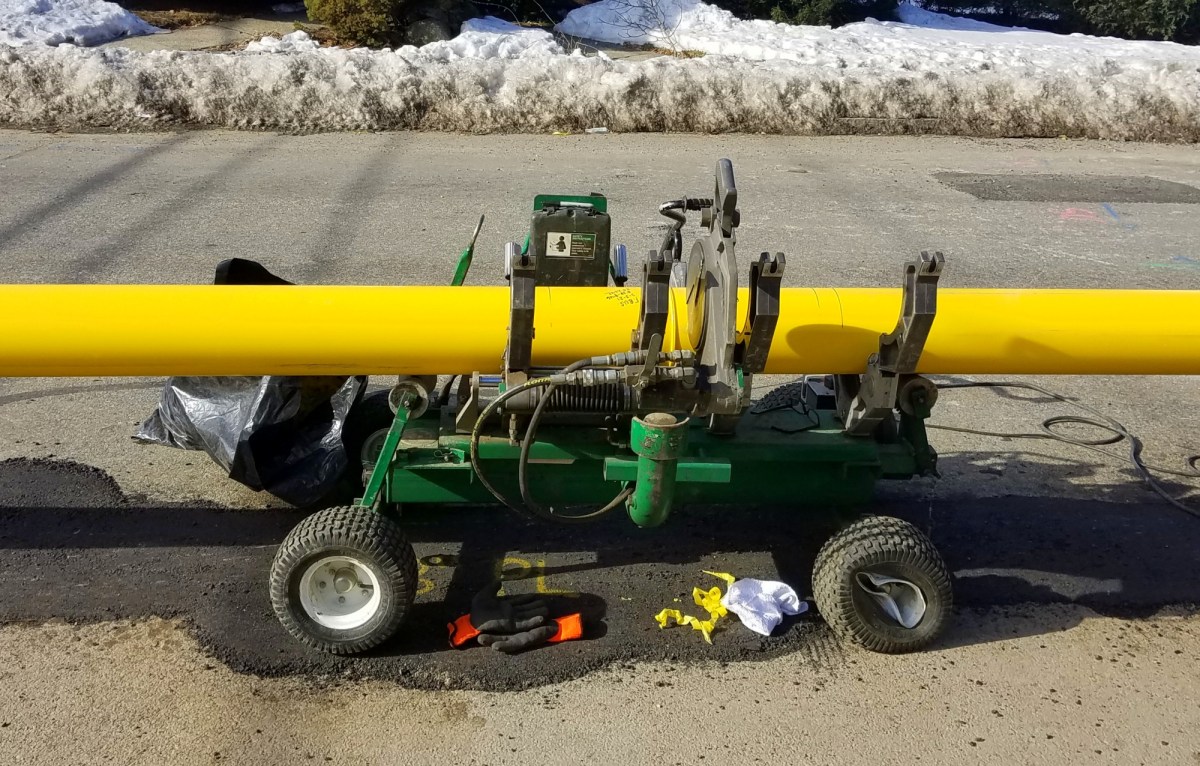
278	434
281	434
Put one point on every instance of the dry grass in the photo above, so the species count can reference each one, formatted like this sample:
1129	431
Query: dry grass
683	54
180	19
225	47
326	37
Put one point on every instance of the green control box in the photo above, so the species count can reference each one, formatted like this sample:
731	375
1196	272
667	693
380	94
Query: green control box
569	238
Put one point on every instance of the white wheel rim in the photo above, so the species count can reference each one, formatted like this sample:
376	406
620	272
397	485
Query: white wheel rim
339	592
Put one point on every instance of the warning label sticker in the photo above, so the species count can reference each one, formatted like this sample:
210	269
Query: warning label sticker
566	244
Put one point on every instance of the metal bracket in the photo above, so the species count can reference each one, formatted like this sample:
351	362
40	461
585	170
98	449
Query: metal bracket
766	277
372	494
518	354
656	300
469	404
864	404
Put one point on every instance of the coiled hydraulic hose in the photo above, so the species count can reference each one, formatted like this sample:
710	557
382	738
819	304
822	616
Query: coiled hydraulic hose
530	508
478	429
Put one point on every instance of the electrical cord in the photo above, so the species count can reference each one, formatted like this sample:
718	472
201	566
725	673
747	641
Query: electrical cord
1117	433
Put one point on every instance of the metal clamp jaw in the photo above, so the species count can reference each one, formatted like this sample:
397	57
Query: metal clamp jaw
766	277
656	300
890	381
726	356
522	275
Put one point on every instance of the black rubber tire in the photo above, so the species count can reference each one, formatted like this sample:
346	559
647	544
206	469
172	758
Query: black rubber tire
887	546
369	415
375	540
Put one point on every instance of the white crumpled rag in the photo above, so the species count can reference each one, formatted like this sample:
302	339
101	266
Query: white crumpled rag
761	604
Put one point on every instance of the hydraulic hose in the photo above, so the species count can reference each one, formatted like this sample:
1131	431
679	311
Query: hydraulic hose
478	429
531	505
1117	432
530	508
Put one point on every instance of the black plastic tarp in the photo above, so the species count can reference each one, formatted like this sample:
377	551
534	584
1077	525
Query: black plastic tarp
281	434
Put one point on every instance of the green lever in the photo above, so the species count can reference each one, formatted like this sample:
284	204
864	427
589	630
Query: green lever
464	260
373	493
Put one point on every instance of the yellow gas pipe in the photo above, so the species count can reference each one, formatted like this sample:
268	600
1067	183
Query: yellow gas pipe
108	330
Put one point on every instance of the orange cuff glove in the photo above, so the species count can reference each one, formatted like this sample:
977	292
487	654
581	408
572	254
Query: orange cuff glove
462	631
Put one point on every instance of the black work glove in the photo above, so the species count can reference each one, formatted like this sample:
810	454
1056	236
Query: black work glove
518	642
510	623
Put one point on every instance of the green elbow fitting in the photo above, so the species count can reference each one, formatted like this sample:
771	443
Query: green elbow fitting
658	440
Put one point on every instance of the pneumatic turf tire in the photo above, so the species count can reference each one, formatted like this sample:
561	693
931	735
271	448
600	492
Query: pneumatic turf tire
872	548
343	580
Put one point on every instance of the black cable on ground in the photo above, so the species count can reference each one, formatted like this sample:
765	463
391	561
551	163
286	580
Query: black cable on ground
1117	433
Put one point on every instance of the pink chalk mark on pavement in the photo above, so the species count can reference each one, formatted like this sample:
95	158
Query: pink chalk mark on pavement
1080	214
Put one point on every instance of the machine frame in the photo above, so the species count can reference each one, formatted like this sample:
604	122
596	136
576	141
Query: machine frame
646	431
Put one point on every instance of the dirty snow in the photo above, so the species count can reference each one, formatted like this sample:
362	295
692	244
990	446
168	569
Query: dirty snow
486	38
80	22
928	73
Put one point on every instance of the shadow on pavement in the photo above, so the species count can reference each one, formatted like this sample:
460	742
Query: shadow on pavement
84	553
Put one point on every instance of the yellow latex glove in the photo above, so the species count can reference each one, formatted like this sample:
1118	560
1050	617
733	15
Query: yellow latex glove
708	600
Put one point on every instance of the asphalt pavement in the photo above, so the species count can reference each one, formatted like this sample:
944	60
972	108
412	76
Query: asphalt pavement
95	528
87	553
397	208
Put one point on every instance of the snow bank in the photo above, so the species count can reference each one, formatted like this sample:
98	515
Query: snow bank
486	38
922	41
914	14
81	22
873	77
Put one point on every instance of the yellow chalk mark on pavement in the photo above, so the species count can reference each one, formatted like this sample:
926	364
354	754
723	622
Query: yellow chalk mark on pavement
424	584
547	590
515	568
